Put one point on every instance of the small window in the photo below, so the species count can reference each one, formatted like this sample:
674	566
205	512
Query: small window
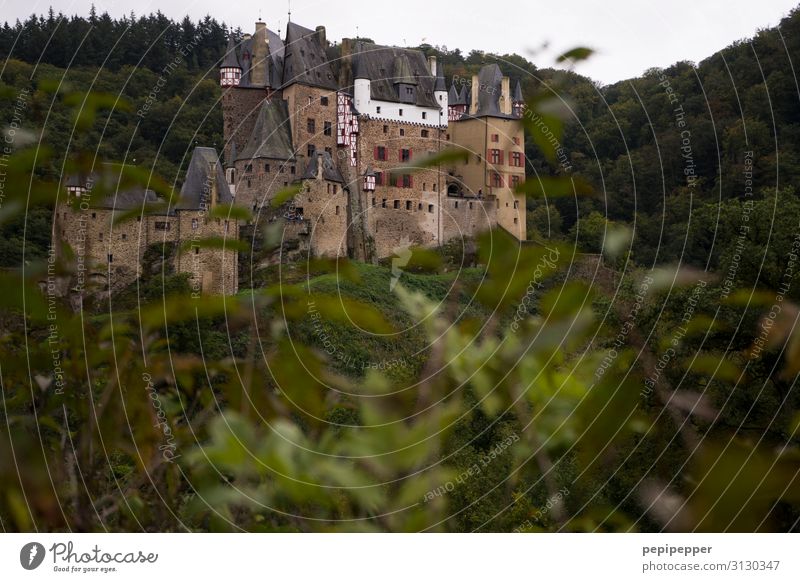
378	110
406	180
400	113
424	115
248	168
197	250
402	131
194	224
430	208
378	179
456	203
94	215
335	188
380	153
424	133
385	129
124	236
419	206
266	168
447	136
396	204
110	258
337	211
383	203
470	205
405	155
311	150
373	202
495	137
408	204
515	140
100	236
516	204
292	170
516	220
311	125
163	225
248	183
323	101
327	128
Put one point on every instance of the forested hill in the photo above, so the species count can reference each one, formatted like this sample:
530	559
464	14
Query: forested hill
656	147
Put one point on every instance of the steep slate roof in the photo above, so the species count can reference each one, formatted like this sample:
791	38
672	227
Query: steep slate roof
460	97
401	71
231	60
490	87
453	95
329	170
378	64
272	135
196	191
276	51
517	95
439	85
245	60
304	59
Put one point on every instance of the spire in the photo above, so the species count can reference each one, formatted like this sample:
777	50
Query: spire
231	60
453	95
517	97
440	84
361	68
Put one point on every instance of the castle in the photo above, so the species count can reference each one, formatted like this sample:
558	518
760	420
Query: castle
347	133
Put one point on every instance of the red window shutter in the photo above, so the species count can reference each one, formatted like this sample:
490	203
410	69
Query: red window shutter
500	152
410	154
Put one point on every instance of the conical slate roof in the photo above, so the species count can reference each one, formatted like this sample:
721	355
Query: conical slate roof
453	95
200	180
361	68
231	60
440	84
517	93
271	136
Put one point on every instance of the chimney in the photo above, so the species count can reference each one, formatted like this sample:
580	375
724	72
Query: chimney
321	37
505	96
258	72
432	65
476	88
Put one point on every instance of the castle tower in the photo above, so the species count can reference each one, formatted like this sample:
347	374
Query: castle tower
230	72
439	90
361	86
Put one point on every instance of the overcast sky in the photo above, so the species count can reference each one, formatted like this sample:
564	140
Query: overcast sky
628	35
